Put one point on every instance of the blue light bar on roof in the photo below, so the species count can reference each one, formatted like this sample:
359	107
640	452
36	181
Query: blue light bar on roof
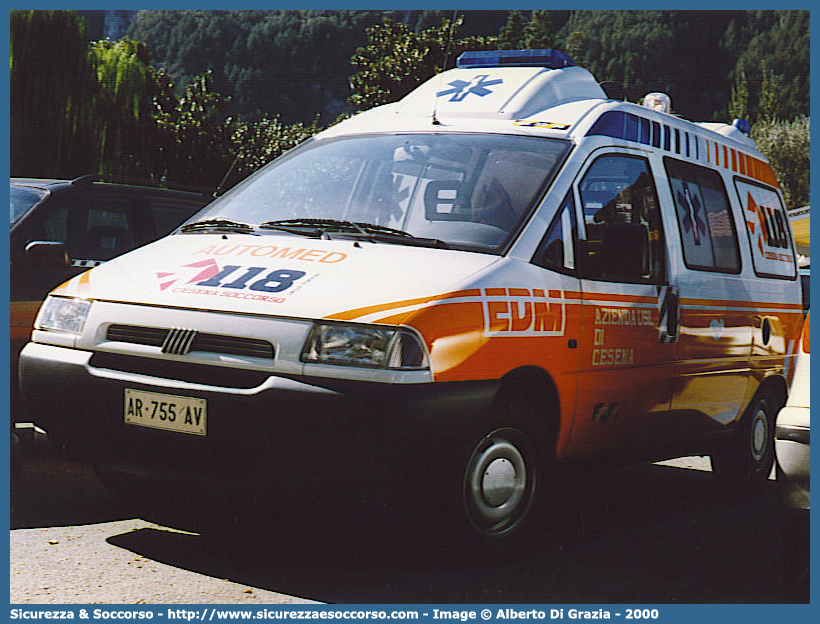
743	125
551	59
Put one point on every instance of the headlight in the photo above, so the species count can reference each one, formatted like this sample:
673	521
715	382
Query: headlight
63	314
362	345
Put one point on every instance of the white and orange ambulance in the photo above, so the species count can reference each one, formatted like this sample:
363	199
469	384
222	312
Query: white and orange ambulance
463	292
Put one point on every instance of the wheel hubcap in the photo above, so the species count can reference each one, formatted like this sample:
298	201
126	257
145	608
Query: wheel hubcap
760	435
499	482
498	485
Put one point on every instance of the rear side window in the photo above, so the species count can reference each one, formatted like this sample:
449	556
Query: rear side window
22	199
707	229
768	227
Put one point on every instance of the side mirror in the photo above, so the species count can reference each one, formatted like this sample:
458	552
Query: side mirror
47	255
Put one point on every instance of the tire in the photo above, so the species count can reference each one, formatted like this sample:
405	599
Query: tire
504	478
749	457
500	483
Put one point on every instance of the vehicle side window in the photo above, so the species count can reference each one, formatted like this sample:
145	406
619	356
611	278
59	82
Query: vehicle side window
92	228
624	231
109	230
22	199
53	227
557	249
166	215
707	229
767	225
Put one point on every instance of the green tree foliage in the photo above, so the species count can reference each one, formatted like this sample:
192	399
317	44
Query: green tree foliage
511	36
119	115
52	90
203	146
539	33
289	64
294	64
127	89
739	105
396	59
194	135
772	56
787	146
477	23
575	44
768	101
676	52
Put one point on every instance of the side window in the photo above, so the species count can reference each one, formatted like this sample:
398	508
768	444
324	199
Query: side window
167	216
93	228
768	227
557	249
109	229
707	229
624	231
53	227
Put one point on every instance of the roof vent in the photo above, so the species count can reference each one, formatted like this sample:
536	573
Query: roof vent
613	90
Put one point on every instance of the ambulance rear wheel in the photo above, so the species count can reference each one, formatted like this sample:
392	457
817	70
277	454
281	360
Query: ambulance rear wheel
749	456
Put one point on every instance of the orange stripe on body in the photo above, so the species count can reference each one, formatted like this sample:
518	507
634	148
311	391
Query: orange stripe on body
355	313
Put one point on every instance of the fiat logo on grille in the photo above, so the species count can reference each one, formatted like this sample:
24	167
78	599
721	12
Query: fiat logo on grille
178	341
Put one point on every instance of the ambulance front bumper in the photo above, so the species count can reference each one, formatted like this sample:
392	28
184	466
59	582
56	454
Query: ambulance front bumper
288	432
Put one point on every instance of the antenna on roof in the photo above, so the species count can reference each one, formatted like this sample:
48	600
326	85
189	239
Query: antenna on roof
435	121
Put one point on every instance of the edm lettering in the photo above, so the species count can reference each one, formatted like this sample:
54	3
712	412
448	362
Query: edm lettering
521	312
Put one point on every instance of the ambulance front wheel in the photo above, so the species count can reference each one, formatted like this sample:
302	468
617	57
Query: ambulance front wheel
505	480
749	456
500	483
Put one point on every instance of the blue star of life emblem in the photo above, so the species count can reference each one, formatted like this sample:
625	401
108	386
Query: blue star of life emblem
461	88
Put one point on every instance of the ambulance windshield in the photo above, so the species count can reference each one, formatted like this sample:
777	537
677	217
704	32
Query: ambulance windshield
468	191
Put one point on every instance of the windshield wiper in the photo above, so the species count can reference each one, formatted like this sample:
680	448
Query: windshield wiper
321	228
314	228
218	225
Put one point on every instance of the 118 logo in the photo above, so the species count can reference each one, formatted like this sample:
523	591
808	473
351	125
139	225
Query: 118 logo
276	281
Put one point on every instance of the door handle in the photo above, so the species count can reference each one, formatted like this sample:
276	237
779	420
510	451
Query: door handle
669	314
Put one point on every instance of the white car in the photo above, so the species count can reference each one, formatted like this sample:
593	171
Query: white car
792	432
793	467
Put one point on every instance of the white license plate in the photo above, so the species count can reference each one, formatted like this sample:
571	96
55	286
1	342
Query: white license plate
166	411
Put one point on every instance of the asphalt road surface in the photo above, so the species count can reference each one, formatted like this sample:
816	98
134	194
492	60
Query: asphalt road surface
656	534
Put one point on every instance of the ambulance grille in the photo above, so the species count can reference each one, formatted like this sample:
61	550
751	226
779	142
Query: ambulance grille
183	341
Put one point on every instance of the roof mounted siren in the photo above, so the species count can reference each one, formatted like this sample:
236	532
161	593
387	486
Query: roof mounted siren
660	102
551	59
743	125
